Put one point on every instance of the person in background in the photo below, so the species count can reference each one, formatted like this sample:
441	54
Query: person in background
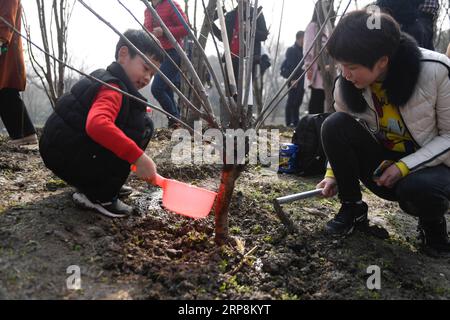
160	90
416	17
428	13
314	78
13	112
294	55
258	78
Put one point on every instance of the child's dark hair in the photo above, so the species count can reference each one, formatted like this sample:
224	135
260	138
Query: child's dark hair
142	41
355	41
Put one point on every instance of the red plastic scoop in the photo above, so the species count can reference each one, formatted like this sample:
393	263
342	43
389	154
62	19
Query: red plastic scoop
183	198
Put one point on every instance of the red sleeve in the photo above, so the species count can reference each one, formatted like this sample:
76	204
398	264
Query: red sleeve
148	20
101	128
178	31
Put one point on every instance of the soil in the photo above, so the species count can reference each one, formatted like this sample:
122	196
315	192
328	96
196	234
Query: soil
160	255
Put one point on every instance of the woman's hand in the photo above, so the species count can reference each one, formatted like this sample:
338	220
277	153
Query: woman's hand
158	32
329	186
389	177
145	168
309	75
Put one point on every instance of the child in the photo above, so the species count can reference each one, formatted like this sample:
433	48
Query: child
96	133
393	103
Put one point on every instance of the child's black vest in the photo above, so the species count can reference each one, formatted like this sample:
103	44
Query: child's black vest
65	146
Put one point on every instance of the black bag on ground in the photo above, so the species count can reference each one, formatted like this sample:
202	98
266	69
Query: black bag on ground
311	157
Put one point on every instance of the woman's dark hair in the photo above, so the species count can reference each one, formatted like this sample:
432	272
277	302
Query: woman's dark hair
141	40
355	40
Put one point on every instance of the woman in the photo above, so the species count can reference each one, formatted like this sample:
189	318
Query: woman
314	79
391	130
12	77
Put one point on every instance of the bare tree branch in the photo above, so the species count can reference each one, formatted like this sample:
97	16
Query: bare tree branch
274	102
167	56
198	83
92	77
146	59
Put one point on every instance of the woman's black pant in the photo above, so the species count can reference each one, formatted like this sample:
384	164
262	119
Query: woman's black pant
354	154
14	114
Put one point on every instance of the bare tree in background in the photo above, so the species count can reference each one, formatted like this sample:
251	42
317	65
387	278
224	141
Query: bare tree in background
53	24
197	61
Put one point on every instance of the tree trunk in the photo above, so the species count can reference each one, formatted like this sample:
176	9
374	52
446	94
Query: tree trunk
230	173
50	73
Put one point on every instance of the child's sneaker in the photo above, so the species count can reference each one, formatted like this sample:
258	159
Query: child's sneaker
174	125
114	209
125	191
349	216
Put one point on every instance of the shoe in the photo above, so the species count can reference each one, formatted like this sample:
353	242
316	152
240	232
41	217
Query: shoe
114	209
350	215
31	139
434	237
125	191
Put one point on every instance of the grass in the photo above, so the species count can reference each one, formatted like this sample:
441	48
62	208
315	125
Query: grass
197	237
223	264
235	230
256	229
55	184
289	296
233	284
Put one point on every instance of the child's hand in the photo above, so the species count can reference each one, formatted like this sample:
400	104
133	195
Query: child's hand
329	186
158	32
145	168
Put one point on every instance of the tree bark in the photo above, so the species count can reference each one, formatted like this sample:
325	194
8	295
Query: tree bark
230	173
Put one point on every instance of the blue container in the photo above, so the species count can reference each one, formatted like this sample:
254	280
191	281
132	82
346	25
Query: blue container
288	158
